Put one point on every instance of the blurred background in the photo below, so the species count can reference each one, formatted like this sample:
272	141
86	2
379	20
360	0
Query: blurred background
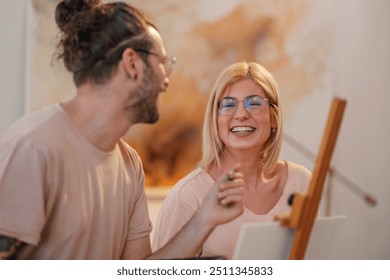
315	49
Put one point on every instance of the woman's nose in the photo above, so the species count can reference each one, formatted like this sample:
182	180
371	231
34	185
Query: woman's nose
241	111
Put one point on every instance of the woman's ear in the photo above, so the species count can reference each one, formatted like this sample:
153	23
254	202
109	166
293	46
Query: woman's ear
130	62
273	121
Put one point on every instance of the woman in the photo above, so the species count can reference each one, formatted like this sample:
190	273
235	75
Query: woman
243	124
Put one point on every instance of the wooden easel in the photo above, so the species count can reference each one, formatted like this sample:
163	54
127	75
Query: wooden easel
305	207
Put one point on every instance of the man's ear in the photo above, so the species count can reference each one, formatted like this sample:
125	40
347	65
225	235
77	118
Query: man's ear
131	63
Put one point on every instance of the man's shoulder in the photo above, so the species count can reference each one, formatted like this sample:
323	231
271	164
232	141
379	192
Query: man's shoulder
129	151
38	126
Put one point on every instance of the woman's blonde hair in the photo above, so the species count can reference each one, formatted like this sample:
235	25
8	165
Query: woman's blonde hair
212	144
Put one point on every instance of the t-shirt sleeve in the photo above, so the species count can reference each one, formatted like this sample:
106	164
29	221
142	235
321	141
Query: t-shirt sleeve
139	224
22	211
173	215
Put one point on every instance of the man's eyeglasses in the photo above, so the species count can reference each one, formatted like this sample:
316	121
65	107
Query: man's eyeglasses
254	104
169	62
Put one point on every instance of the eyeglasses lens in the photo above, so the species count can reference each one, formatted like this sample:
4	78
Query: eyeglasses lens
169	65
253	104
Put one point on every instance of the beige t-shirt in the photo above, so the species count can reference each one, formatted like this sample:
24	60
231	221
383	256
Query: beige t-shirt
187	195
64	197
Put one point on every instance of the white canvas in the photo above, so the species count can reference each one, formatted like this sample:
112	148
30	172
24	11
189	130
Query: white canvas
271	241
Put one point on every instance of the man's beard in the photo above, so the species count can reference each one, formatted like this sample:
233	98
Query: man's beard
144	106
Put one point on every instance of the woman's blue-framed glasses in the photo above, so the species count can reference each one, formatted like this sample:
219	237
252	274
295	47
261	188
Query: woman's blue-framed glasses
254	104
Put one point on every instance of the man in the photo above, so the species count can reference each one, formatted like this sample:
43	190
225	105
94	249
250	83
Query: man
70	188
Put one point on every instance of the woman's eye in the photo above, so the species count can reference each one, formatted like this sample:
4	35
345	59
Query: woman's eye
229	105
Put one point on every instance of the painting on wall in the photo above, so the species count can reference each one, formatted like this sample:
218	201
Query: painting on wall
292	39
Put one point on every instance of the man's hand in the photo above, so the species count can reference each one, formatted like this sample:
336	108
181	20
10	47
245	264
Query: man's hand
224	202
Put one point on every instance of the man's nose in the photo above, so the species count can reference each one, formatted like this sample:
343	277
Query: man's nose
166	82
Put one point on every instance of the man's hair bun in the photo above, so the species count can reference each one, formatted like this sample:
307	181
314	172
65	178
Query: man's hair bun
66	9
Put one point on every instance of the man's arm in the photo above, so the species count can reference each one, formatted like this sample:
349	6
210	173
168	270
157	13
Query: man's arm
8	247
137	249
222	204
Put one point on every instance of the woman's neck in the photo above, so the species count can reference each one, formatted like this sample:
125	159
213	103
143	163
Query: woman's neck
250	167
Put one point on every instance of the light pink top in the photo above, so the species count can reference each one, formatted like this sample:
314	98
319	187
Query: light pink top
64	197
187	195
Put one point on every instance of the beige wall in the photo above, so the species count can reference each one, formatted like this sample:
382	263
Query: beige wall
12	38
